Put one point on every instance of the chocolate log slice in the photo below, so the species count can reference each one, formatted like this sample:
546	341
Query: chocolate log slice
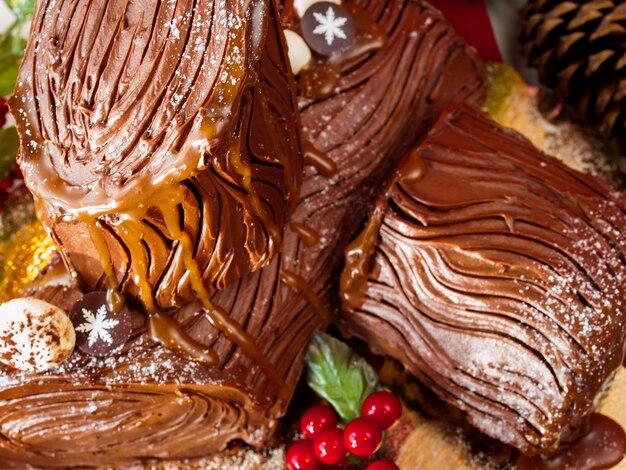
495	274
119	103
151	403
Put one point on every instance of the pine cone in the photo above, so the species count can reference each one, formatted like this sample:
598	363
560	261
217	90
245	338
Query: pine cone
579	48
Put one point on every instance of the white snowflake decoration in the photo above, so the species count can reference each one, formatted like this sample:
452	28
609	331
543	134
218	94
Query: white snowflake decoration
330	26
97	325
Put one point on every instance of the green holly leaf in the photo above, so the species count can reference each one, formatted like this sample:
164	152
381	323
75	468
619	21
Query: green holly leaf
339	375
9	146
502	82
8	74
11	50
12	43
22	9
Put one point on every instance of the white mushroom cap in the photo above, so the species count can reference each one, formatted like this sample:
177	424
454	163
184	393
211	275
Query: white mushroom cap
298	51
34	335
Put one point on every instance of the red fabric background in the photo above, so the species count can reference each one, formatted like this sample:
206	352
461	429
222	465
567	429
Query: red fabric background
471	19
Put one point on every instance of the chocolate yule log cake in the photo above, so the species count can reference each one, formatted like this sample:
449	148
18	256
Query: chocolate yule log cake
495	274
150	114
161	143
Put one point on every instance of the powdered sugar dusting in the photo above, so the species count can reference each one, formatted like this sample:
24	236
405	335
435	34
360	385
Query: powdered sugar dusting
234	459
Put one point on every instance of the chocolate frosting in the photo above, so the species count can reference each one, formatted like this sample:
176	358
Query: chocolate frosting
381	107
495	274
117	102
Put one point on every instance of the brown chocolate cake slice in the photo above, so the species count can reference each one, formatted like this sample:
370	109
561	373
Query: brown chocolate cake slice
495	274
149	402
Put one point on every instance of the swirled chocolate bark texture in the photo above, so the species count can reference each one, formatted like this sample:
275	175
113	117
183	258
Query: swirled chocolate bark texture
151	403
130	112
495	274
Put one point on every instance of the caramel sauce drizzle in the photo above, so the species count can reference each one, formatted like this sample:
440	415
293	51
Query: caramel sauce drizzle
166	330
245	172
319	160
295	281
100	244
357	270
353	281
320	79
308	236
162	327
115	301
216	315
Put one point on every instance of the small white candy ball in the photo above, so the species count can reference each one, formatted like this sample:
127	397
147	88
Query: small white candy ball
34	335
298	51
302	6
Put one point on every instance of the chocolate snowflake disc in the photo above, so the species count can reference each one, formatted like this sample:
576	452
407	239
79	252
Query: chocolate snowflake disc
328	28
98	330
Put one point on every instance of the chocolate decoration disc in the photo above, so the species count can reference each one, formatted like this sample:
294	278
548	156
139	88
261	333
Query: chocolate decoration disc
328	28
98	330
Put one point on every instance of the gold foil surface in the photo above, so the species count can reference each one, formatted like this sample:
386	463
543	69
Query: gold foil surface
23	256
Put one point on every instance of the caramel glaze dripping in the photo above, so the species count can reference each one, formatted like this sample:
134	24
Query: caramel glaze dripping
603	446
115	301
245	172
319	80
295	281
319	160
100	244
166	330
216	316
161	326
353	282
354	278
308	236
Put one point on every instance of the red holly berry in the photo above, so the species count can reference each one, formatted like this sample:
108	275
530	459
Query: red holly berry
300	456
329	447
383	408
362	437
382	465
316	419
4	110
